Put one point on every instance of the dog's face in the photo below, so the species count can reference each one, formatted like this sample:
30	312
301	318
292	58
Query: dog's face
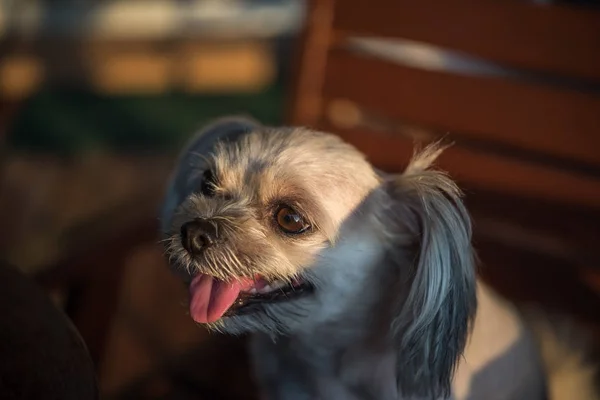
260	234
288	230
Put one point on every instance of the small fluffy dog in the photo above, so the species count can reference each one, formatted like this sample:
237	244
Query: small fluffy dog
354	284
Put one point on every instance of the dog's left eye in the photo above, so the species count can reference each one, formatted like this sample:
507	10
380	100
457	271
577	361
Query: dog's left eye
207	187
290	221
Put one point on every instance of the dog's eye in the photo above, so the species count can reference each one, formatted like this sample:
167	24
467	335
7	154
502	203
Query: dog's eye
207	187
290	221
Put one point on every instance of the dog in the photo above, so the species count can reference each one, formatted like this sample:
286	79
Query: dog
353	283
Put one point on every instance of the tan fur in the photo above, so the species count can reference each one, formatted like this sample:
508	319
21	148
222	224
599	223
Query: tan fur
270	166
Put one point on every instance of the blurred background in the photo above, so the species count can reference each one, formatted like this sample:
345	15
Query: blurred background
97	97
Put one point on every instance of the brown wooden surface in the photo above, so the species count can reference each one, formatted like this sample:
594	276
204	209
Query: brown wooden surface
561	39
480	170
559	122
310	63
530	277
562	232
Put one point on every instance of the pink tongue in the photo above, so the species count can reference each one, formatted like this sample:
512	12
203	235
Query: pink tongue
211	298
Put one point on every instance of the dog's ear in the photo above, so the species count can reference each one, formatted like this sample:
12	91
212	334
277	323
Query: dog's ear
192	161
431	321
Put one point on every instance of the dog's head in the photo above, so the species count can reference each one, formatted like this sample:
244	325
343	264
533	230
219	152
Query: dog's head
285	230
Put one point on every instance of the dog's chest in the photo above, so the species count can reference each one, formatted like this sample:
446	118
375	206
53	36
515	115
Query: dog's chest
291	371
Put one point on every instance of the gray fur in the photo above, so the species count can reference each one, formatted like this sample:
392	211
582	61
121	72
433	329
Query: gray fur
432	323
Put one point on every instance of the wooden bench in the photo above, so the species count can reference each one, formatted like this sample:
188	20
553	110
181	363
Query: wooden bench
514	85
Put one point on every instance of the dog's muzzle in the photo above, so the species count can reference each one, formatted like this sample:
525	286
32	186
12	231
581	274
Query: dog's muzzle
212	298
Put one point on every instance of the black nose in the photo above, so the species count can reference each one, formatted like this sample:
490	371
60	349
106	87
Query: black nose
197	235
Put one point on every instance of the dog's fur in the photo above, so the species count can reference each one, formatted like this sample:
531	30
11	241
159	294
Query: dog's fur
397	310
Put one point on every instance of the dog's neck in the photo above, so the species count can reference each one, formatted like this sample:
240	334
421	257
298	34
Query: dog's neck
348	352
331	362
354	350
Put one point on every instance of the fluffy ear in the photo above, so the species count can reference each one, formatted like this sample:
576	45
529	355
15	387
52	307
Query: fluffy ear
191	163
432	319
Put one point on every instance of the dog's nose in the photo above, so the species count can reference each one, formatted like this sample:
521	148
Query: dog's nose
197	235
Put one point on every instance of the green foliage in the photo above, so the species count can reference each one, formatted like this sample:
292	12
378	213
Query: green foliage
73	122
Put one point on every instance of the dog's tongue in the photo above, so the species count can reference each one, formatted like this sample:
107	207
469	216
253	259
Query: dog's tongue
211	298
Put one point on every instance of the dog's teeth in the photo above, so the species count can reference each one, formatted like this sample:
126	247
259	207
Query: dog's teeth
266	289
277	285
272	287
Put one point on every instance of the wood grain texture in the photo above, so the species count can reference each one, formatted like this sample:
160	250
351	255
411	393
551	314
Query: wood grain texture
559	39
565	123
310	63
479	170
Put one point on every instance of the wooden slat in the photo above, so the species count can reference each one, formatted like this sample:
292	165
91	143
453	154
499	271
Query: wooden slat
545	37
570	233
310	63
527	277
559	122
479	170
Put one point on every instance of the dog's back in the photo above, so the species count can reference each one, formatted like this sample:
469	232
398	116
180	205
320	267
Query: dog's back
501	360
